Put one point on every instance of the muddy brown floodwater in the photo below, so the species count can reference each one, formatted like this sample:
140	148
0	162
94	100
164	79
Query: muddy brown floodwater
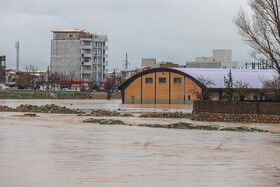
60	150
100	104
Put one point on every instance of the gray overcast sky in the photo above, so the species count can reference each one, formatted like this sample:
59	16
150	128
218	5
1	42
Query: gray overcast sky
169	30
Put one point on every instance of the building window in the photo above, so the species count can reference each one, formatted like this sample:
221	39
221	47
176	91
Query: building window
224	67
62	36
100	52
189	97
94	44
162	80
149	80
99	44
177	80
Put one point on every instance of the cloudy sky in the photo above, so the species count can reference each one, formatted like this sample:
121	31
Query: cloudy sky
168	30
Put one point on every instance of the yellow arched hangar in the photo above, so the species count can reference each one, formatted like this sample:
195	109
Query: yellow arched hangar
160	86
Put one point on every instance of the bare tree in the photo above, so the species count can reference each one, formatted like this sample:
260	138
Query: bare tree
272	88
31	69
109	87
262	32
23	81
241	89
204	94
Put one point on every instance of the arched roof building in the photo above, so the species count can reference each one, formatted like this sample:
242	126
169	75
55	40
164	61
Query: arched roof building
178	85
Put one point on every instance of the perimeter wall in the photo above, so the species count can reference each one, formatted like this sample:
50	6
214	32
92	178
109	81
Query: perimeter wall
254	112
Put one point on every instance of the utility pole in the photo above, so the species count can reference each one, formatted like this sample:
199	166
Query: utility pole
17	48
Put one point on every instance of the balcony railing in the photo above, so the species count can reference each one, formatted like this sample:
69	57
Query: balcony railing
86	71
87	63
86	55
86	47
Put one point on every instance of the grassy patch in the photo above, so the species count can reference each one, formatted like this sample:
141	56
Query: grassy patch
5	94
66	95
106	113
104	121
182	125
166	115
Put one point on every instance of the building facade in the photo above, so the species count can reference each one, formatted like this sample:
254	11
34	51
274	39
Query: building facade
2	68
79	55
222	58
183	85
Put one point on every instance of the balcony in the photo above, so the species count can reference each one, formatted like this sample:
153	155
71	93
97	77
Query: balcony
86	46
87	63
86	39
86	55
86	71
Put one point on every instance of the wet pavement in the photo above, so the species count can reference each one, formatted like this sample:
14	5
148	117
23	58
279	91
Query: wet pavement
60	150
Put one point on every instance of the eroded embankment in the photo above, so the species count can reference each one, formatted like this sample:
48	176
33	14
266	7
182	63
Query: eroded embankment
181	125
39	109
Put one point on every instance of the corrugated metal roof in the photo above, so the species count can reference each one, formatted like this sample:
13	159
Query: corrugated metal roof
252	77
69	30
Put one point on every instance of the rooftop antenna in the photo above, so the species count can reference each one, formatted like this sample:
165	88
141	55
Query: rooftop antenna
17	48
126	63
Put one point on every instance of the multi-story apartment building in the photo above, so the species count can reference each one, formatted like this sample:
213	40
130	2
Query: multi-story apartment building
79	55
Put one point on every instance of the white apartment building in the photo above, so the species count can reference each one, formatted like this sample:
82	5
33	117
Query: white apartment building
222	58
79	55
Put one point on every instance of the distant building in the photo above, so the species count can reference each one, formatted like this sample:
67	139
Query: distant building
152	63
164	64
183	85
148	62
126	74
221	59
2	68
79	55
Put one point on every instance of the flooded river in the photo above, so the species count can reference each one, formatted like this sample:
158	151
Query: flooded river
101	104
60	150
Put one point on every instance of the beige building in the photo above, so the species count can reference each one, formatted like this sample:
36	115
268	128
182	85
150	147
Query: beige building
222	58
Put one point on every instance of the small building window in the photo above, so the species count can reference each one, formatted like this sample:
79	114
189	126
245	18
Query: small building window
149	80
177	80
162	80
189	97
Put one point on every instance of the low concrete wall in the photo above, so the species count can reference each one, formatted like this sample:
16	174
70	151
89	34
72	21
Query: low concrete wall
253	112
